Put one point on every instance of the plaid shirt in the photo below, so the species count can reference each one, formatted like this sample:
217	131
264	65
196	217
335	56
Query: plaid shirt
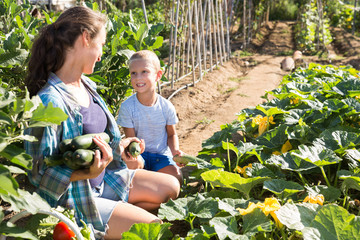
53	183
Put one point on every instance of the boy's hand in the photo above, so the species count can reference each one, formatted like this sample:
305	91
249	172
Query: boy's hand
179	153
131	162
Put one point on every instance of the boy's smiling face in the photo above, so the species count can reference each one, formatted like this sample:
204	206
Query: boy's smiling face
144	75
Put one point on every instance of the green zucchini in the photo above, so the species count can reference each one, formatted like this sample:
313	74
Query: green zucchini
65	145
67	156
134	149
185	159
86	141
54	160
83	157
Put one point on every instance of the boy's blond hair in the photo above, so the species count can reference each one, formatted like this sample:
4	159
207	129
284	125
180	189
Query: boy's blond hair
148	56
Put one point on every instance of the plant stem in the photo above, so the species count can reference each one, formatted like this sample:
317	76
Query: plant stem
345	197
302	178
228	154
325	177
336	177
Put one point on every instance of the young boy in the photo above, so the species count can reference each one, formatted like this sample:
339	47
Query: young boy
149	116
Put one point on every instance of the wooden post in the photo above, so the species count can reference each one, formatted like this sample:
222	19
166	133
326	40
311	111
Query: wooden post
222	31
210	34
197	39
144	11
214	32
170	41
202	33
244	24
191	44
227	32
218	30
175	42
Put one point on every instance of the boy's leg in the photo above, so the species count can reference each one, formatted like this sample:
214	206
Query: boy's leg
173	170
150	189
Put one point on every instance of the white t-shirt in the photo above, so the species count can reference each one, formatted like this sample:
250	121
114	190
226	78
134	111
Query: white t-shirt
149	122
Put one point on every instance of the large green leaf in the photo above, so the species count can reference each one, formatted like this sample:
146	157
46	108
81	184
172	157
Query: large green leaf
291	162
225	227
333	222
351	180
219	178
255	222
17	155
16	57
10	230
274	138
25	200
42	116
297	216
316	154
152	231
182	208
282	188
8	184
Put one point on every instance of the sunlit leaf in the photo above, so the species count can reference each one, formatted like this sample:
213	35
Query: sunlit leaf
219	178
151	231
282	188
42	116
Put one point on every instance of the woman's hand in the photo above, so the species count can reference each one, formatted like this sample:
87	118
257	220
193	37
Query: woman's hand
132	162
101	160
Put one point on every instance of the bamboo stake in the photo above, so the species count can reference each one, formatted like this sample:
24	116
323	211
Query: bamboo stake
214	32
191	44
210	34
175	42
222	31
178	71
227	32
144	11
170	41
244	24
186	63
218	32
198	40
202	33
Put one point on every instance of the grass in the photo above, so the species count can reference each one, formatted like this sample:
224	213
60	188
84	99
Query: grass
237	79
205	121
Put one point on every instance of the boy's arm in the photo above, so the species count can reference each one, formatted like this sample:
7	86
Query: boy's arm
133	163
129	132
173	140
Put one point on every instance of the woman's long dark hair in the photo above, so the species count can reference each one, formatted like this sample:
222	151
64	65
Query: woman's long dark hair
48	51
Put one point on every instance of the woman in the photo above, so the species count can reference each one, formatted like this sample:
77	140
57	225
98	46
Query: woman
108	195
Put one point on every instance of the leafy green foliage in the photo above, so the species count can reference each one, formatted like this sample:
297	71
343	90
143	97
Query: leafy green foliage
305	154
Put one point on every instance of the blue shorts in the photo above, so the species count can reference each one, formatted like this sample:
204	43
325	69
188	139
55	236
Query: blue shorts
155	162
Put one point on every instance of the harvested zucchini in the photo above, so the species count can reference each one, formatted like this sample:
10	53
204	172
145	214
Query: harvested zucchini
185	159
65	145
86	141
83	157
134	149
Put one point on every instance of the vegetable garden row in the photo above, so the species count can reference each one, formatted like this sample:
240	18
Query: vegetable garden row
293	175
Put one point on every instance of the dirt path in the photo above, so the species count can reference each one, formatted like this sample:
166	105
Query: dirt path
222	93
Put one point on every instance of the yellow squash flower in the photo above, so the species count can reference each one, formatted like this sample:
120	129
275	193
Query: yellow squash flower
294	101
269	206
251	207
242	170
264	123
285	148
318	199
